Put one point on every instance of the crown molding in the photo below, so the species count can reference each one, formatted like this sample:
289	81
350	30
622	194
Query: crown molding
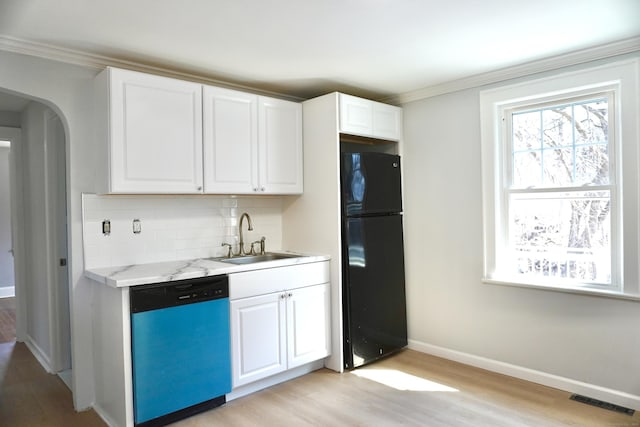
548	64
99	62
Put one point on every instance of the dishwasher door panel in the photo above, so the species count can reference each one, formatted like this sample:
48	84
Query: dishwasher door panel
181	357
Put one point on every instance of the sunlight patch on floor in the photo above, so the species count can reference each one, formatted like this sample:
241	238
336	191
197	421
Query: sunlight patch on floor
401	380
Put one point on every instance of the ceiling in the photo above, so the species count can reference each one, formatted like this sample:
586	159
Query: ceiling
305	48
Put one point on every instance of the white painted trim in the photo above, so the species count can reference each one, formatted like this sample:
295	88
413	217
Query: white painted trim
38	354
548	64
615	76
5	144
7	291
66	376
100	62
105	416
567	384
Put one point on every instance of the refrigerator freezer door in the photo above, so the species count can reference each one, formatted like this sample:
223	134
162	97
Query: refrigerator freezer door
374	292
370	183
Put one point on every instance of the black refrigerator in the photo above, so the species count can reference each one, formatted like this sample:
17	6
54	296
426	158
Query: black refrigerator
373	293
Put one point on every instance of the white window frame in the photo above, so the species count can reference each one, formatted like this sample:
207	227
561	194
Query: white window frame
620	78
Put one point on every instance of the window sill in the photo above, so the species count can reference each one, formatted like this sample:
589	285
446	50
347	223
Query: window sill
566	290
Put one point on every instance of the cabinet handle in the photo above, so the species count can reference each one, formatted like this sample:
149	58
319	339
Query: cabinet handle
262	189
199	188
290	295
283	296
255	189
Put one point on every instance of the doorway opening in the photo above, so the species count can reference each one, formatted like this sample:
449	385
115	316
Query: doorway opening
39	306
7	276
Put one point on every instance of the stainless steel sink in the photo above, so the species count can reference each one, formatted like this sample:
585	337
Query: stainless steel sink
250	259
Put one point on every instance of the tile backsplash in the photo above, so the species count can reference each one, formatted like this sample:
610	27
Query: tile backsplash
173	227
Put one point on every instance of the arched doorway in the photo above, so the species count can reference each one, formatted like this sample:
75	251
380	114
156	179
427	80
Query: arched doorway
39	229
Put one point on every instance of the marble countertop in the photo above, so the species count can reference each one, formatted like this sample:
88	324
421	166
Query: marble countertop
140	274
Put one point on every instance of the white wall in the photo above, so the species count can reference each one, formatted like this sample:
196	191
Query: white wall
6	260
10	119
67	89
592	340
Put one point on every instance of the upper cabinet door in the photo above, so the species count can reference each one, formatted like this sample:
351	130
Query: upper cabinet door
387	121
368	118
230	141
356	115
280	146
155	134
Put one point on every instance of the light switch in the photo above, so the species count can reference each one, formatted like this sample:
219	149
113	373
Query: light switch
106	227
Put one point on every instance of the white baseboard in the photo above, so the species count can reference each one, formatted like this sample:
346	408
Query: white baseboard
602	393
105	417
7	291
40	355
66	377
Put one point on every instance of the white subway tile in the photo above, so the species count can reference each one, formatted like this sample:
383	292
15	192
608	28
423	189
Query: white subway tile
173	227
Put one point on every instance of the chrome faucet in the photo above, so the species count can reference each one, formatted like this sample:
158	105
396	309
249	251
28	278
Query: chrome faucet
250	228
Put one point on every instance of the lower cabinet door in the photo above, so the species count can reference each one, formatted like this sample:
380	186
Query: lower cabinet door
308	324
258	337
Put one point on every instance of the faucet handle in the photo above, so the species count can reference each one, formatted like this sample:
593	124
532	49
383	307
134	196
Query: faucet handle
262	245
253	251
229	253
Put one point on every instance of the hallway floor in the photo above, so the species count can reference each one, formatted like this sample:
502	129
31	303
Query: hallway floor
7	319
29	396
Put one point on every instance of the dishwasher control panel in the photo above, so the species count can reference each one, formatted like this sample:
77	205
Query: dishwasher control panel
203	294
180	292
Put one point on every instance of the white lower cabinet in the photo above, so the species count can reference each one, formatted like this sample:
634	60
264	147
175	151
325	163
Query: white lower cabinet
280	330
307	324
258	338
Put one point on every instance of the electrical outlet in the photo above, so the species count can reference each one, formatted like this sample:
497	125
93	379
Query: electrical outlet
137	226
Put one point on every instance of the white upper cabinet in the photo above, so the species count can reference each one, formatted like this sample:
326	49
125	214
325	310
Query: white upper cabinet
153	131
359	116
252	144
230	141
168	136
279	146
387	121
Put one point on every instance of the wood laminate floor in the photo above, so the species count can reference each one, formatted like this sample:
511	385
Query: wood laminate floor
408	389
29	397
7	319
430	392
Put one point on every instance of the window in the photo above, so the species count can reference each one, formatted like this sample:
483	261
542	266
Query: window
558	190
560	181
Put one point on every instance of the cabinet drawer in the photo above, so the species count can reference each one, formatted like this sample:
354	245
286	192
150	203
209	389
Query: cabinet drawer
260	282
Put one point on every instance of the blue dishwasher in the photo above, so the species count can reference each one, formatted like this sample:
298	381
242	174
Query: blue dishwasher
180	348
